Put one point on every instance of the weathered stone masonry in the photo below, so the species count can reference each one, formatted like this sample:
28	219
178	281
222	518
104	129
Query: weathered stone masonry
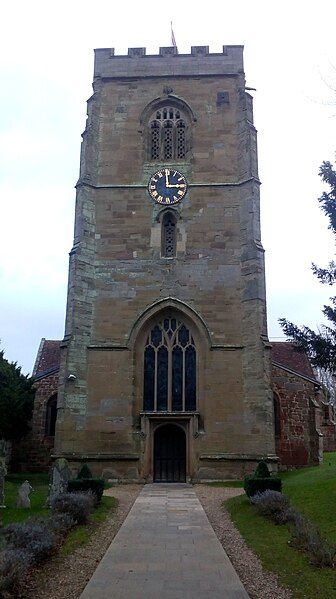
120	285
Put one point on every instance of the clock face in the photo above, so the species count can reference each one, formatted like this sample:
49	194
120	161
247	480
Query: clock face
167	186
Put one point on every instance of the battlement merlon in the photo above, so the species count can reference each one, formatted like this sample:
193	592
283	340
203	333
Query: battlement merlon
168	63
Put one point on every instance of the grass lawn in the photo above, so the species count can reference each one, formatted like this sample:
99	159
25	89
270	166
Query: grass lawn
38	497
40	483
313	492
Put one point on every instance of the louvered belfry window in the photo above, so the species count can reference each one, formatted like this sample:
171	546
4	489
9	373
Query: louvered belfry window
155	141
168	235
167	134
170	368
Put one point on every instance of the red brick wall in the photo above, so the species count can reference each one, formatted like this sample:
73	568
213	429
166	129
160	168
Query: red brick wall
32	454
299	442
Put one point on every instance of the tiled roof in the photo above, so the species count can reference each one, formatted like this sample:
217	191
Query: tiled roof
288	355
48	357
284	353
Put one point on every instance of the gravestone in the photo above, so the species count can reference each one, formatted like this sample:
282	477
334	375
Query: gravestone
59	478
23	495
3	472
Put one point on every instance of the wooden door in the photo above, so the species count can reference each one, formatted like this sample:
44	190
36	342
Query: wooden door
169	454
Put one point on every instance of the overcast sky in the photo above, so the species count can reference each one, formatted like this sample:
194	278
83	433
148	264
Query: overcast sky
46	62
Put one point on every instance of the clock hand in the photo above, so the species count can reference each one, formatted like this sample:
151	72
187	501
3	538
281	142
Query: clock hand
167	182
169	186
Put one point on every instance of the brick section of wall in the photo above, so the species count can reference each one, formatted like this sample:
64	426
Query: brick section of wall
32	454
299	442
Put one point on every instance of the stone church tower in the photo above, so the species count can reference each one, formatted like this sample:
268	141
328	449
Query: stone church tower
165	360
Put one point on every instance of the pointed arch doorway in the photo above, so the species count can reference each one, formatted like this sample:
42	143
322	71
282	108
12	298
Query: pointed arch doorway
169	454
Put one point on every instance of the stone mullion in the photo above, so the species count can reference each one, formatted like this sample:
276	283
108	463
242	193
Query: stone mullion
183	379
174	141
161	142
155	380
170	378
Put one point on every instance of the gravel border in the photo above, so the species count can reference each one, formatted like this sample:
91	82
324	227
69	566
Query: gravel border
66	577
258	583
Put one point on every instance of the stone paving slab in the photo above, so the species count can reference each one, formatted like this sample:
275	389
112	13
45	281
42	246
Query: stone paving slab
166	548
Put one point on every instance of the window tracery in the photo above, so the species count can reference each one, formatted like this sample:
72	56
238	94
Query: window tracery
170	368
168	134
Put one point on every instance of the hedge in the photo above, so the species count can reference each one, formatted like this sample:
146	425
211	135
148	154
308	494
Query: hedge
83	485
253	485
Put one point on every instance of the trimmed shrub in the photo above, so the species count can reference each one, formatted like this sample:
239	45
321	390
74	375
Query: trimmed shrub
253	485
275	506
85	485
84	472
14	564
33	537
262	470
77	505
261	481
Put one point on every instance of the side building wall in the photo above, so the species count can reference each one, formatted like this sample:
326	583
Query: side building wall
299	441
302	417
328	427
33	453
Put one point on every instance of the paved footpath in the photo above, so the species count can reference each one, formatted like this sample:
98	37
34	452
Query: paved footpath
166	548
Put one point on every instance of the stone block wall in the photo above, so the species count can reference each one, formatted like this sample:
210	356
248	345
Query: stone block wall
118	279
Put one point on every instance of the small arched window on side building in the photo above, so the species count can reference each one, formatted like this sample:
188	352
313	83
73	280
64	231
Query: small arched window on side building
51	415
277	415
168	235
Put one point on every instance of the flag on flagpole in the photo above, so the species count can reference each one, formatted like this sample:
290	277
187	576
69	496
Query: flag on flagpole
172	35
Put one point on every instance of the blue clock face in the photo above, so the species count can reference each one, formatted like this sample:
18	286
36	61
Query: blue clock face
167	186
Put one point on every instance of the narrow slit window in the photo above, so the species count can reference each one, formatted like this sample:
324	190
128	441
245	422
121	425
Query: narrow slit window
51	415
277	415
168	235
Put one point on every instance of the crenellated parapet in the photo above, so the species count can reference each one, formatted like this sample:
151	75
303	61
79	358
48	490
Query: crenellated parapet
168	62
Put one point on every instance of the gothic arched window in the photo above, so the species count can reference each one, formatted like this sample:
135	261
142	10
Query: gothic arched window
51	414
167	134
168	235
169	368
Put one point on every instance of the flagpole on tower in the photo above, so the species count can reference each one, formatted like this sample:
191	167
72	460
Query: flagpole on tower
173	40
